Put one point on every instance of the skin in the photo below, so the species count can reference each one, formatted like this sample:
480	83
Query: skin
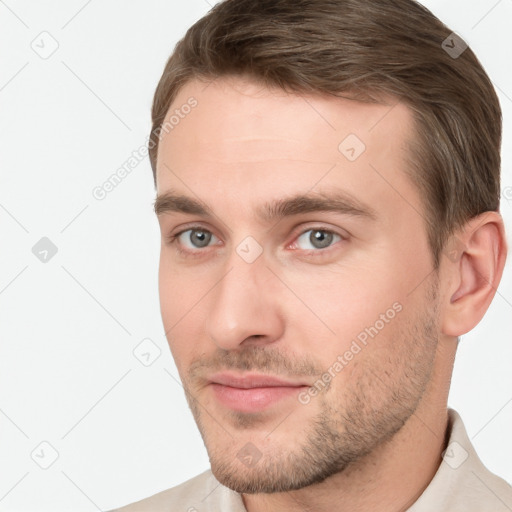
373	437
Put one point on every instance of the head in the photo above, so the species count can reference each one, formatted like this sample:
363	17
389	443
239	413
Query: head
328	194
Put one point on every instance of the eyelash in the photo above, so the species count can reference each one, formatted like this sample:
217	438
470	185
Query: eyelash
172	240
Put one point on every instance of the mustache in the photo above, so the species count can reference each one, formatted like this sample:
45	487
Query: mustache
253	358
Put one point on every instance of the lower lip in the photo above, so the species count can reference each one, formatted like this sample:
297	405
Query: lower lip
253	399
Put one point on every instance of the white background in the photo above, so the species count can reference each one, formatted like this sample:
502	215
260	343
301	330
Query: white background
68	327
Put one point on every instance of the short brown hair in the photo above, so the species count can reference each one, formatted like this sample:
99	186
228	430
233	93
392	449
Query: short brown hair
368	49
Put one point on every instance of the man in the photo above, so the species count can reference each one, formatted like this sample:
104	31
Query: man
328	186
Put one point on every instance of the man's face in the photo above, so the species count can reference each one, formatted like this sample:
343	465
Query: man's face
296	280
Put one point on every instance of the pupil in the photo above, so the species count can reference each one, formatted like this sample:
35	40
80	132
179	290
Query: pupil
200	238
320	239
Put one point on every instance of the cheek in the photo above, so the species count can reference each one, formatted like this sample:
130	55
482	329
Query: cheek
180	289
337	302
167	287
343	312
180	306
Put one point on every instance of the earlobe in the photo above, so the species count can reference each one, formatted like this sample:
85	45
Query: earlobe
474	268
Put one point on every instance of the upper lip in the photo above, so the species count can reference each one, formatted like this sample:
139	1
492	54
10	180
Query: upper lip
251	380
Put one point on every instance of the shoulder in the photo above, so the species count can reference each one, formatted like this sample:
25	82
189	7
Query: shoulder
183	496
482	489
462	482
191	496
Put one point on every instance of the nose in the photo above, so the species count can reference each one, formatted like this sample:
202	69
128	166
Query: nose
244	306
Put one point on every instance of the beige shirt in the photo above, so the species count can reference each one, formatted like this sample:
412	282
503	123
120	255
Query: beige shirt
461	484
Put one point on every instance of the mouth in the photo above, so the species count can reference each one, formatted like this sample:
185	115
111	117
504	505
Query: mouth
252	392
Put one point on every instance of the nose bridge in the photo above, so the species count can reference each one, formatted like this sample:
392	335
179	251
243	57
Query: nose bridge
242	305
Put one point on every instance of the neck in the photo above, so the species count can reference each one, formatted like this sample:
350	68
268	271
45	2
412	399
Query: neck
390	479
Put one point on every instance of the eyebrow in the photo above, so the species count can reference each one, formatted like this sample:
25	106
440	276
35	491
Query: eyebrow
334	201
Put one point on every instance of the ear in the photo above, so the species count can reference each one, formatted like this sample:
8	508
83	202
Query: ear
474	262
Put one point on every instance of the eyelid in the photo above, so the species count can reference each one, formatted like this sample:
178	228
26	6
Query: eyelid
188	226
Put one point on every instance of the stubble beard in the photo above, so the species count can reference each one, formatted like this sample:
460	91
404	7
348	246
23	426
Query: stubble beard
374	405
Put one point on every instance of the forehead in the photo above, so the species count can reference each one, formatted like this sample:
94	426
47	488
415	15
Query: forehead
244	138
236	108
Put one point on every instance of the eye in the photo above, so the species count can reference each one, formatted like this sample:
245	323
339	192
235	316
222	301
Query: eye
195	238
317	239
